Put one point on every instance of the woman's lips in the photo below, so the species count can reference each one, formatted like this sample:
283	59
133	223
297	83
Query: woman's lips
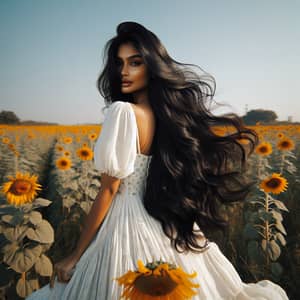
126	83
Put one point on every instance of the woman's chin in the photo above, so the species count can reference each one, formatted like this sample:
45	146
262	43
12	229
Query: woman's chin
127	90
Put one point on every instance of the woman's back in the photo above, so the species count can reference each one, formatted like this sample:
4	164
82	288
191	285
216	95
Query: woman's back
145	120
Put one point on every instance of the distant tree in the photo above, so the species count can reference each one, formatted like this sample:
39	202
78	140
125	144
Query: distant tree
8	117
259	115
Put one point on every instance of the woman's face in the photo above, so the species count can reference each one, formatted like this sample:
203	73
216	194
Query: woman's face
132	69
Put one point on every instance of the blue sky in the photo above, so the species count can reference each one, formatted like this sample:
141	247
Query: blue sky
51	52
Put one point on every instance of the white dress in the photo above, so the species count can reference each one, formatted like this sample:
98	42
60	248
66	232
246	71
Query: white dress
129	233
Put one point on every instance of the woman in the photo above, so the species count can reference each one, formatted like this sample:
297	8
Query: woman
164	173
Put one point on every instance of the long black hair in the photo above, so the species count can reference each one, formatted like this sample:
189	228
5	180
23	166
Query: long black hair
193	168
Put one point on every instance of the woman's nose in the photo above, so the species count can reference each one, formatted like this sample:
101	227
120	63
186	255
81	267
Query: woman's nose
124	69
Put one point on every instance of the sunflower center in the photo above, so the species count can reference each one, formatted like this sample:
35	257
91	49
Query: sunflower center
263	149
64	163
20	187
273	183
285	144
84	153
155	285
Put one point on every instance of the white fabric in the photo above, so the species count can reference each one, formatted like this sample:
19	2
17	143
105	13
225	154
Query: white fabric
129	233
115	149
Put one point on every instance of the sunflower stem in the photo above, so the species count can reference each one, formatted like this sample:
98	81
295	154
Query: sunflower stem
259	167
282	162
16	163
267	235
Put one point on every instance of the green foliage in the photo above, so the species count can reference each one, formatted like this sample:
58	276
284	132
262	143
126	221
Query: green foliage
259	115
8	117
25	237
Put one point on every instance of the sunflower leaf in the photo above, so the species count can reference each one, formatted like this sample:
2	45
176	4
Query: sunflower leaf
8	209
273	250
15	233
35	217
9	251
68	201
14	220
43	233
280	205
86	206
25	287
22	261
264	244
277	215
280	227
280	238
92	193
43	266
38	202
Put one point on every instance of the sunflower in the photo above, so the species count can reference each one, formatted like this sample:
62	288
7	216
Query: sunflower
85	153
30	136
63	163
11	147
274	184
264	149
16	153
21	189
280	135
5	140
59	148
285	144
157	280
67	140
93	136
67	153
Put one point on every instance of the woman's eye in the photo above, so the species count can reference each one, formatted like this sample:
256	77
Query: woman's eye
133	63
136	63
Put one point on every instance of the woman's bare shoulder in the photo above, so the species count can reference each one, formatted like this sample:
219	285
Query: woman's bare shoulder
146	126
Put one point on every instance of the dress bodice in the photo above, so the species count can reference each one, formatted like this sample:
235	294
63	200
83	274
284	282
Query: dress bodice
135	183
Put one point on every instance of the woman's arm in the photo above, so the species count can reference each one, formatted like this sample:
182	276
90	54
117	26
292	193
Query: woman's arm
98	211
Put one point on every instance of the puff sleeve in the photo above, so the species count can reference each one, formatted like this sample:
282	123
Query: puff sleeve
115	149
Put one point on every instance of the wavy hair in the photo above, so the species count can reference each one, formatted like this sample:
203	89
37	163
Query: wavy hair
193	169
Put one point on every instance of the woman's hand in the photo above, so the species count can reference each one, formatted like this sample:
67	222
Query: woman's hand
63	269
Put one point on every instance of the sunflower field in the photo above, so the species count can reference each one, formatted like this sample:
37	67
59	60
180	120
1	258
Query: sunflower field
49	182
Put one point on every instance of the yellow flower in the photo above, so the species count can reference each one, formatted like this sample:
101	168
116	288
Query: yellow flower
85	153
63	163
59	148
30	136
280	135
67	153
11	147
285	144
264	149
274	184
92	136
68	140
157	280
21	189
5	140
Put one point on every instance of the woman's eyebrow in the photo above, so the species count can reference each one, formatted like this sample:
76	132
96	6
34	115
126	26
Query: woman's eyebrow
132	56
